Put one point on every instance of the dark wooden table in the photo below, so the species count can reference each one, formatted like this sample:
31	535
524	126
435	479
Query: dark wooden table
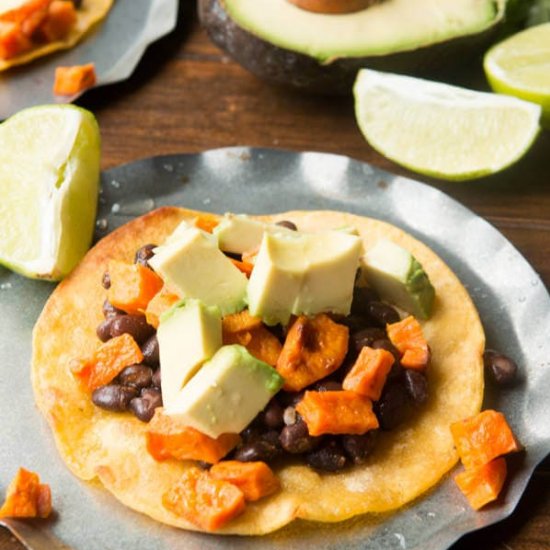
187	96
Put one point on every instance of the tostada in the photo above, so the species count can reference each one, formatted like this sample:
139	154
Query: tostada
30	29
311	363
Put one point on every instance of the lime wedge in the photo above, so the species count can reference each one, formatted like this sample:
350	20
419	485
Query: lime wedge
441	130
520	66
49	181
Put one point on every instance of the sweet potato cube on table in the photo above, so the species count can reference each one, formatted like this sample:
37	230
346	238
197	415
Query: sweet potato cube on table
483	437
408	338
368	374
26	497
133	286
313	349
337	412
72	80
169	437
259	341
162	301
203	500
482	484
255	479
108	360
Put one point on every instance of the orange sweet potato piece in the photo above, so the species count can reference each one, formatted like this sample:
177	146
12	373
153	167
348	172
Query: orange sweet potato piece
313	349
107	361
13	42
368	374
408	338
255	479
168	437
337	412
245	267
27	497
60	19
203	500
24	11
161	302
133	286
237	322
483	437
74	79
207	222
482	484
260	342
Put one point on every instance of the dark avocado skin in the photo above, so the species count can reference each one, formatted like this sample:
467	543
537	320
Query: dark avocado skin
297	70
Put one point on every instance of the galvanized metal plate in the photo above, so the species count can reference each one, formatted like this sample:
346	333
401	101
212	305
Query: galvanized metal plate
115	46
512	301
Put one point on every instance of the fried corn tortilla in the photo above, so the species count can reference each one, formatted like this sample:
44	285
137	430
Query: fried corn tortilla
111	446
89	13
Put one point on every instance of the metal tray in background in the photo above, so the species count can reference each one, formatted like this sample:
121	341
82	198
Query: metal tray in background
512	301
115	45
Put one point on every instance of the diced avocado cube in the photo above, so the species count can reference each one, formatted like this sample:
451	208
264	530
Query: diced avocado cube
303	273
189	333
227	393
237	233
192	266
399	278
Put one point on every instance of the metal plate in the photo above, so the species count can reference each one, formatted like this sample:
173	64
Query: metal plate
511	298
115	45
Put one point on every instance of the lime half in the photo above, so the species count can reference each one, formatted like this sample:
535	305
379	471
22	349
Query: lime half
49	182
520	66
441	130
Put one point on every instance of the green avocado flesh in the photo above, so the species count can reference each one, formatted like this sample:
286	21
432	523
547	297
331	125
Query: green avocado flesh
389	27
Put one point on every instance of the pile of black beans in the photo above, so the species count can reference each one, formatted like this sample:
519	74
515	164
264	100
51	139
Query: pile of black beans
137	387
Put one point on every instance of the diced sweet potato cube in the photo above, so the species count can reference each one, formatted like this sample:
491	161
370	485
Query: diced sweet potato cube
25	10
481	438
237	322
61	18
169	437
72	80
133	286
255	479
107	361
207	222
245	267
482	484
260	342
161	302
368	374
408	338
27	497
313	349
13	42
204	501
337	412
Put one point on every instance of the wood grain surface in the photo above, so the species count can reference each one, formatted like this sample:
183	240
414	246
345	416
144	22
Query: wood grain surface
187	96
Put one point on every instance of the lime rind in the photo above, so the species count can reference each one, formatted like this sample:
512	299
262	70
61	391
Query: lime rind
440	130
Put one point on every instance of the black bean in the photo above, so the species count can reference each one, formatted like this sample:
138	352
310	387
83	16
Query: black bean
501	368
109	310
255	450
381	314
156	379
144	254
329	458
359	447
273	415
251	433
391	409
355	323
144	406
288	224
416	385
289	399
295	438
103	330
327	385
138	376
134	325
106	281
362	296
366	337
113	397
384	343
150	351
396	373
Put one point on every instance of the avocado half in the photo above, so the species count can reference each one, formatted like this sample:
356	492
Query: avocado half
322	53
